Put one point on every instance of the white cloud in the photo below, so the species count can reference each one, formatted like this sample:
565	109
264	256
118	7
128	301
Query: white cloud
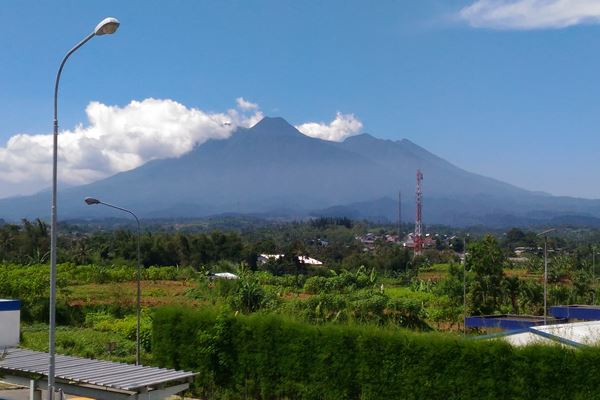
343	126
531	14
246	105
116	139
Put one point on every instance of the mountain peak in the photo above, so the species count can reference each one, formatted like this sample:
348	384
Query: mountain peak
362	138
274	125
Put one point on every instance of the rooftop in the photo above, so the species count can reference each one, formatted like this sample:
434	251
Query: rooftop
93	378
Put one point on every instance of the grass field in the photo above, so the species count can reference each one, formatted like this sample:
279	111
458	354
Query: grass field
82	342
154	293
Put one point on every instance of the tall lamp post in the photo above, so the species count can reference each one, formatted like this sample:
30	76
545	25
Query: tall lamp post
91	201
465	285
594	250
545	234
106	27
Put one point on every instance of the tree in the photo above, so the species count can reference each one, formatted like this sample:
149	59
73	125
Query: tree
512	287
515	236
458	245
486	260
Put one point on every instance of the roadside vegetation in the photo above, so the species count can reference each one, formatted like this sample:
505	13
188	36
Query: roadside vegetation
361	287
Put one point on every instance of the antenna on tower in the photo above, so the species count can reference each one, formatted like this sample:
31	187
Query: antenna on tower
419	217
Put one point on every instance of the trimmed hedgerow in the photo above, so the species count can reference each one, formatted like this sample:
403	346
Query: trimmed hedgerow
270	357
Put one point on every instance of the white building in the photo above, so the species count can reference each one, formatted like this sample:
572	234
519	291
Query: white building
265	258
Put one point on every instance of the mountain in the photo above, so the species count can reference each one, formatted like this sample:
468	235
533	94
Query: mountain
273	169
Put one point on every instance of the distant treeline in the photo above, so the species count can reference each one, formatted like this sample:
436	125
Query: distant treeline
29	243
323	222
331	240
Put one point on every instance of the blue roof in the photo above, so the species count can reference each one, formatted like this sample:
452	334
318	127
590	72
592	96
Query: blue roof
578	311
508	322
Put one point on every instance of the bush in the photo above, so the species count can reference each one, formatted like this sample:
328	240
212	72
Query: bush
269	357
125	327
364	306
82	342
343	282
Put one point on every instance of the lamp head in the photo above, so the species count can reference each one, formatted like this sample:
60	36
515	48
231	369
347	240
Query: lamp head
107	26
546	231
90	201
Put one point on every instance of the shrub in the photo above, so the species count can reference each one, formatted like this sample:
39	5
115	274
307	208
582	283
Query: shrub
343	282
269	357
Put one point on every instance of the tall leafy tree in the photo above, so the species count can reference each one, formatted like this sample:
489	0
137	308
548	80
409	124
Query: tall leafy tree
486	259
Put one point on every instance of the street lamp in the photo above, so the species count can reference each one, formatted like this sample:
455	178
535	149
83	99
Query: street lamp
545	233
465	285
594	250
106	26
92	201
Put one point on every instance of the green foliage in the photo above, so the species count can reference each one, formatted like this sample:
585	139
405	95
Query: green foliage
363	306
82	342
344	282
249	296
28	243
125	327
285	282
486	260
269	357
31	285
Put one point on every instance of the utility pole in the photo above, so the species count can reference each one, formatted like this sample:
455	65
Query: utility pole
399	216
594	263
545	234
593	274
465	285
419	216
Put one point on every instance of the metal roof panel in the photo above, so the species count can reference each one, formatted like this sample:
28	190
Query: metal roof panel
113	375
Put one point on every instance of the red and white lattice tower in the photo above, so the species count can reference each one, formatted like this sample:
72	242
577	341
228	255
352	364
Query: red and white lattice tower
418	220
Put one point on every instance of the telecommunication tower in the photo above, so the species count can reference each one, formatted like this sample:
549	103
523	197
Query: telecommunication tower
418	220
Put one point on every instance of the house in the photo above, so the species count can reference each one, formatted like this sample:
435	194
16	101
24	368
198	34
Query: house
265	258
310	261
428	241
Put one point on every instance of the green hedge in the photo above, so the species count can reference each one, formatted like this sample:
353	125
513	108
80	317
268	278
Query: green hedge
269	357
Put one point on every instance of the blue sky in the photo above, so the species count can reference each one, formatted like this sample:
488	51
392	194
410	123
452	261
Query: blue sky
504	88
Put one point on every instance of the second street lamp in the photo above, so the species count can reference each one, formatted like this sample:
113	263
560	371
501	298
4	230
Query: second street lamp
105	27
545	234
92	201
465	284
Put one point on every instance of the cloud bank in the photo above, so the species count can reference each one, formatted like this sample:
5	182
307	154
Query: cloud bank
530	14
118	139
343	126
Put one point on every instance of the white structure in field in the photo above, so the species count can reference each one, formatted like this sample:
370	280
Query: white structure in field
225	275
265	258
10	322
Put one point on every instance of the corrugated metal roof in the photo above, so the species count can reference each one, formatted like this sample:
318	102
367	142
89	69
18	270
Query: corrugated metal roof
108	374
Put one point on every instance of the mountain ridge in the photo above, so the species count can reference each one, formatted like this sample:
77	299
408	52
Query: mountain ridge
272	167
